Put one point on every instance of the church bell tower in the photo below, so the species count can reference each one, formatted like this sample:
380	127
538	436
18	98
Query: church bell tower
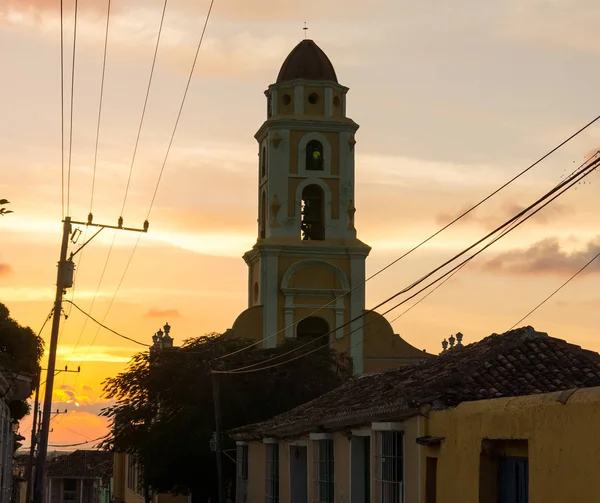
307	253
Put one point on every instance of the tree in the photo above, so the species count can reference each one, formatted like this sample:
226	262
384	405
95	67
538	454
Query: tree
21	350
163	413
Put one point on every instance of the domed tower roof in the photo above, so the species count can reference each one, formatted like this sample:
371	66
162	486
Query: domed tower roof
307	61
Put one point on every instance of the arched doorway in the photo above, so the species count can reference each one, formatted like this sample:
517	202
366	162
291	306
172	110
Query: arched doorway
313	328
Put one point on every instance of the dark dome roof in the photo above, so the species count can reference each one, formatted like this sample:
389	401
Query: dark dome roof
306	61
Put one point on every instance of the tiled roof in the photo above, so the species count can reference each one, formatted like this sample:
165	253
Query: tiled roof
306	61
519	362
82	464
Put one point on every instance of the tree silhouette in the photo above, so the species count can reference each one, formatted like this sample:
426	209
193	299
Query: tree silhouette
163	413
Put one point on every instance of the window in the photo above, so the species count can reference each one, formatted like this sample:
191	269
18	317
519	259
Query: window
504	471
324	472
314	156
134	475
263	216
69	490
241	489
263	162
312	214
272	490
298	474
360	469
513	480
389	469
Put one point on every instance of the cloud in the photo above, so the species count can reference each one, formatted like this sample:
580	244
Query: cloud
555	24
545	257
106	354
163	313
493	218
5	269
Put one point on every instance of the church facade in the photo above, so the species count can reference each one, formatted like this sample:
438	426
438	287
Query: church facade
306	272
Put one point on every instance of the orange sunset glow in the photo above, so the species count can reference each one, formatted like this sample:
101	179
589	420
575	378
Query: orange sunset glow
450	107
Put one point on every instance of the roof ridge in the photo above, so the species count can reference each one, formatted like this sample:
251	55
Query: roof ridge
516	363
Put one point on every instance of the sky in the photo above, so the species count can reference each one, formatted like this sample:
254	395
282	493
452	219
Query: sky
453	99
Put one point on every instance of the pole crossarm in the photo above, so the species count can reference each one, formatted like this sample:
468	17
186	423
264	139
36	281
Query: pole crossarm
118	227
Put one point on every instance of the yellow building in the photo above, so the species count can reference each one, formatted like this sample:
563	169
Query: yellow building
504	420
127	483
307	256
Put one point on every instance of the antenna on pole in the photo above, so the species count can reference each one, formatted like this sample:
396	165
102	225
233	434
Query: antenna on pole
305	30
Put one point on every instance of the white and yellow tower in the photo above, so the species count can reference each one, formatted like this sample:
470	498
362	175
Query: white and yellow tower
307	254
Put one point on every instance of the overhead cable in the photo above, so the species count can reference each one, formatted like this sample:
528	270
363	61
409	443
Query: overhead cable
517	220
435	234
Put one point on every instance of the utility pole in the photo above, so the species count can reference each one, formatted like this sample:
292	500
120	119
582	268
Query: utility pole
64	281
36	406
45	426
34	431
218	434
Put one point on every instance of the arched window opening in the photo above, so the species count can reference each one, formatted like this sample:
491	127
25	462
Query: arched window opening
313	328
313	209
263	216
263	162
314	156
269	106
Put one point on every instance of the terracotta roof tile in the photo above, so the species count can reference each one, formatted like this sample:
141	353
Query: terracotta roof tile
82	463
519	362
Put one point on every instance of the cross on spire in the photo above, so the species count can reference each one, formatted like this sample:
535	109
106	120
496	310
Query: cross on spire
305	30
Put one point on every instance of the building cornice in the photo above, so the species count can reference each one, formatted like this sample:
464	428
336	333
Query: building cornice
304	82
359	250
299	123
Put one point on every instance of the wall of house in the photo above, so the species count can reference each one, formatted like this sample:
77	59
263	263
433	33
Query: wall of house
562	442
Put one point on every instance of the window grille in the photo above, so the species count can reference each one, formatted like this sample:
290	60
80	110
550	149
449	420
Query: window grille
69	491
272	489
324	472
389	475
135	477
241	491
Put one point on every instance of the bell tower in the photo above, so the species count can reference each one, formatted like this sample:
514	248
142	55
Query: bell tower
307	252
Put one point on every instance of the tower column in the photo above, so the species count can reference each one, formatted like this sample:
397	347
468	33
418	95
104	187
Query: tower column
357	308
269	294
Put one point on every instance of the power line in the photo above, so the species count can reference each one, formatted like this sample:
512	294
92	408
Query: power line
181	107
457	270
113	299
72	101
568	183
100	104
183	100
134	150
395	261
104	326
68	314
162	18
45	321
95	293
77	444
557	290
62	114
